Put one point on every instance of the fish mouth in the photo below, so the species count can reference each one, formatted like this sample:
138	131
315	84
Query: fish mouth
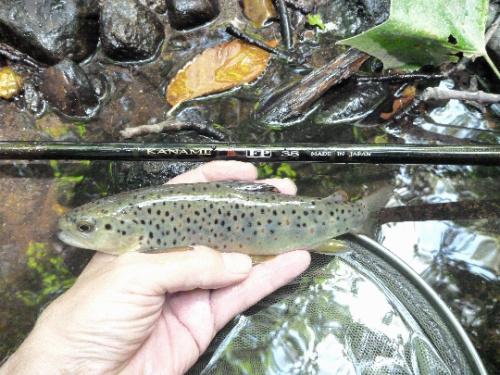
70	240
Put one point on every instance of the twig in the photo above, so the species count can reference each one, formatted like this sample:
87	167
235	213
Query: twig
286	29
174	126
438	93
14	55
237	33
399	77
292	101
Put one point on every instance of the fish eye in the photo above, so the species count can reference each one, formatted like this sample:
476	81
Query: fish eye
85	226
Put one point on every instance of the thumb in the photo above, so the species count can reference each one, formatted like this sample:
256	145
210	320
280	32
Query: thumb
172	272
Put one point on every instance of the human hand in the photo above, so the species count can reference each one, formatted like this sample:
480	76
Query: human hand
152	313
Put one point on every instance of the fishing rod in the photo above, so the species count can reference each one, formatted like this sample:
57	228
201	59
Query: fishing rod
305	153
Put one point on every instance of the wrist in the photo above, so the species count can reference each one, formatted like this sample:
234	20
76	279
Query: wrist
30	358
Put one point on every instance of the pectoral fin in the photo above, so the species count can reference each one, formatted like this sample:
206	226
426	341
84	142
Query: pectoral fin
330	247
256	259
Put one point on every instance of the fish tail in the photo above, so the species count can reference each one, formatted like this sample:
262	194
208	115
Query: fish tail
373	204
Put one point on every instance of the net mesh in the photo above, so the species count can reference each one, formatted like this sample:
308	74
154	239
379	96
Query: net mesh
354	314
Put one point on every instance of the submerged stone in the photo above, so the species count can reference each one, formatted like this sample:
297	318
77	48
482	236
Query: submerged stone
67	88
188	14
129	31
50	31
157	6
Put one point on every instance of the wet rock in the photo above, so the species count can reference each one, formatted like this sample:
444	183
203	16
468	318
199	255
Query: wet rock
16	125
67	88
33	100
129	31
157	6
188	14
50	31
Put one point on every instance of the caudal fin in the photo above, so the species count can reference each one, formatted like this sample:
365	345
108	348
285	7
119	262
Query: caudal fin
373	204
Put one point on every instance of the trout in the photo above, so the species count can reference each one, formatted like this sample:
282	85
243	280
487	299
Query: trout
250	218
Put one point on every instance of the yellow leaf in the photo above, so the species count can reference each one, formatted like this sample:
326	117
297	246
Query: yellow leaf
217	69
10	83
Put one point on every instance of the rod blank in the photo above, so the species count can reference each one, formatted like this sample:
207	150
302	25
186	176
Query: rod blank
305	153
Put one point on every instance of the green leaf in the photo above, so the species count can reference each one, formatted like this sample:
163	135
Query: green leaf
315	20
427	32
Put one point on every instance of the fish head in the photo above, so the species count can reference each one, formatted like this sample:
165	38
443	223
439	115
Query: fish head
113	233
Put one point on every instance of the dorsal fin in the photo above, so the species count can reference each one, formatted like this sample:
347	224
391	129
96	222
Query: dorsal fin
252	187
338	196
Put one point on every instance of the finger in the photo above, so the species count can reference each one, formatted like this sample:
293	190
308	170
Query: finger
284	185
264	279
218	171
98	261
201	267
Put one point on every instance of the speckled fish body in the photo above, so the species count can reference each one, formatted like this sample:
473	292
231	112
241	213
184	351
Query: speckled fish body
228	216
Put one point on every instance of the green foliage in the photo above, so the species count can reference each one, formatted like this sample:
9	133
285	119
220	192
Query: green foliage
51	274
315	20
283	170
427	32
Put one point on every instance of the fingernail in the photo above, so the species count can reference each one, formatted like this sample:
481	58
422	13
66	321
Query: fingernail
237	263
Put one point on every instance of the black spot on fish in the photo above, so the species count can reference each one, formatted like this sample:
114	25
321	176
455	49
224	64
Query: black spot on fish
108	227
149	210
143	222
306	213
262	211
158	212
269	221
167	213
235	218
158	226
124	233
294	212
151	235
188	220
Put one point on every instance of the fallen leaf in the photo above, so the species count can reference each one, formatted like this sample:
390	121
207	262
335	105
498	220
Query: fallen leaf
259	11
216	69
427	32
10	83
406	99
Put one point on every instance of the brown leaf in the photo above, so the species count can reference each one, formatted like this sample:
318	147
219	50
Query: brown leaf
259	11
217	69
